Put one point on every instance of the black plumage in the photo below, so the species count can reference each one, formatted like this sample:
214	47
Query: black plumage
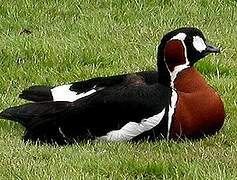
43	93
92	116
125	107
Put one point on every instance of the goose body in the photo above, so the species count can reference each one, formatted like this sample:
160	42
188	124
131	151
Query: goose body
179	104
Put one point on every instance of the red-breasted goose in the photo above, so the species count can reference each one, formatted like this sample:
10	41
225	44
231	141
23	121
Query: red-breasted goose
181	104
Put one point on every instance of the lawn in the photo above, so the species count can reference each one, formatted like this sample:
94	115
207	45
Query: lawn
61	41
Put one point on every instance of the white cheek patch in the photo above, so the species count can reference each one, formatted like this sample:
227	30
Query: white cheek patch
199	44
63	93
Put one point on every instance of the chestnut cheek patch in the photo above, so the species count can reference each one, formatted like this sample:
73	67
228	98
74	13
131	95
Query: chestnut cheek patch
174	54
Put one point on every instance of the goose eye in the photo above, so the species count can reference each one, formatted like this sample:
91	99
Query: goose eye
199	44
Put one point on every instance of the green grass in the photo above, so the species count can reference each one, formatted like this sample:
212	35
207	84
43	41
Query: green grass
75	40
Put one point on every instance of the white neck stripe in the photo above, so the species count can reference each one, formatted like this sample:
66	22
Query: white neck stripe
172	107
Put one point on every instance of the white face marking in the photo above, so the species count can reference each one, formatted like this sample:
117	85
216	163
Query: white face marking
199	44
133	129
63	93
180	36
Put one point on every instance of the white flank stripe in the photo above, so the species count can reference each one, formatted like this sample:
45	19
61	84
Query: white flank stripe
174	98
63	93
133	129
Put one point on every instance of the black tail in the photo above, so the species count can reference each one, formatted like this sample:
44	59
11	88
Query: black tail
41	120
37	94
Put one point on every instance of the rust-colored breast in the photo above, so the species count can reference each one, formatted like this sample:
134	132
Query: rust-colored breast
199	110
